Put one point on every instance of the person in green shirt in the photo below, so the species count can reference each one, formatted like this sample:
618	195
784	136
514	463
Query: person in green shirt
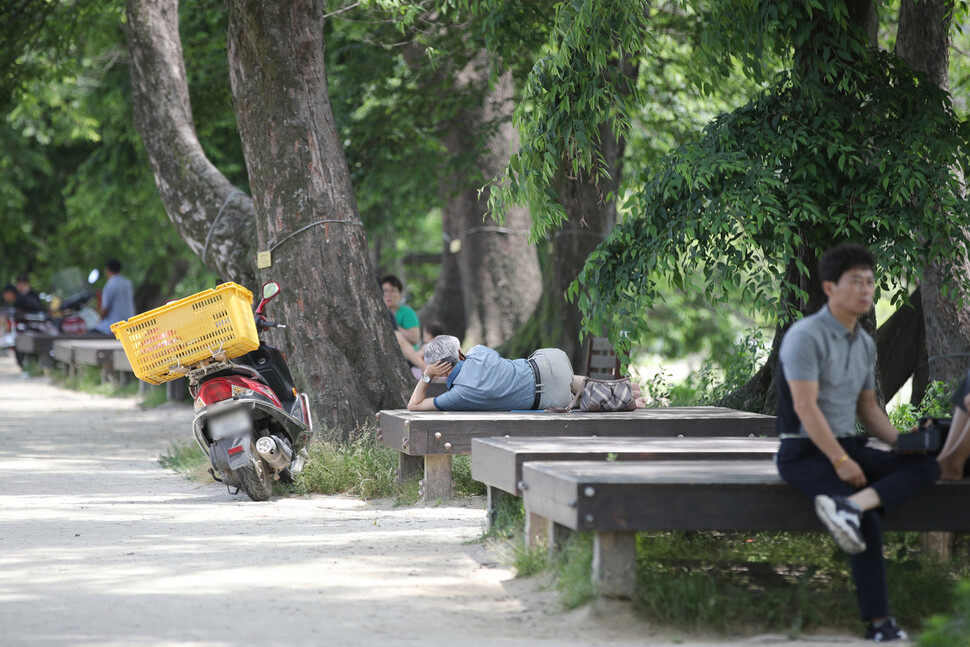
408	326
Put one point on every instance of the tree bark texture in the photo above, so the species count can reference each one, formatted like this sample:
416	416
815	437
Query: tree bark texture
338	334
490	286
901	347
556	322
212	216
923	41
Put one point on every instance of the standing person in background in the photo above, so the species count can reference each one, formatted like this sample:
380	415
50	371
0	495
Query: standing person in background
827	380
117	298
408	325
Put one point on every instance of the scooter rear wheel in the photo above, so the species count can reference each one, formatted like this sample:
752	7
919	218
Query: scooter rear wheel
256	480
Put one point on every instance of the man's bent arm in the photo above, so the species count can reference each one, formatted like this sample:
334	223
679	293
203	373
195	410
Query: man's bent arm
805	400
419	398
874	419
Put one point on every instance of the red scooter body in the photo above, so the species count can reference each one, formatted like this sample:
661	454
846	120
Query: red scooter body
250	420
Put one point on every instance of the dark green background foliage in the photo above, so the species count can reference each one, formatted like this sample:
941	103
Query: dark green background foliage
873	154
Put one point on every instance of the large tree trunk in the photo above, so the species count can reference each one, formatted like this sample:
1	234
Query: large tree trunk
590	207
338	336
490	280
923	41
901	346
555	321
338	333
211	215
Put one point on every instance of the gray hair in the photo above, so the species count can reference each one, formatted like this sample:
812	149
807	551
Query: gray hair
443	348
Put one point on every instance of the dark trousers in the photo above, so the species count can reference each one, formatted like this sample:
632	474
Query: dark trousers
895	477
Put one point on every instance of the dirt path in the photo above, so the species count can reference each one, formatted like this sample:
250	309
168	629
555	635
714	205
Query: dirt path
101	546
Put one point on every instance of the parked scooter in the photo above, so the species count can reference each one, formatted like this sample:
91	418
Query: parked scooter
249	418
69	301
68	310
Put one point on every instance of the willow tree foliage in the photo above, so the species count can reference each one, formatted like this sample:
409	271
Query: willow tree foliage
576	86
847	143
787	173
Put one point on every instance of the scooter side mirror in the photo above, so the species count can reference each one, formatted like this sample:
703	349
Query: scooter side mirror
93	276
270	290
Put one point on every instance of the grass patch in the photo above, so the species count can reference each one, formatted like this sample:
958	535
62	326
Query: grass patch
87	379
359	465
573	569
748	583
33	368
529	561
187	459
461	475
953	629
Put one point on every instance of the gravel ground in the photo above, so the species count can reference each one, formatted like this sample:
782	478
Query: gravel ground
99	545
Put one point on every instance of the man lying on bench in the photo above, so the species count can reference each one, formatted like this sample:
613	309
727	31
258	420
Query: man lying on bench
483	380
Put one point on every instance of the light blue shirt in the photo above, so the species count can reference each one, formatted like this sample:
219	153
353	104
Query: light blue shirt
118	301
485	381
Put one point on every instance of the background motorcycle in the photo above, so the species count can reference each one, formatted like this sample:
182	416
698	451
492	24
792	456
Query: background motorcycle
250	420
69	301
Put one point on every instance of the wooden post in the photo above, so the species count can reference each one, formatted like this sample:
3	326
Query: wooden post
408	466
615	563
175	390
536	529
937	544
558	535
437	477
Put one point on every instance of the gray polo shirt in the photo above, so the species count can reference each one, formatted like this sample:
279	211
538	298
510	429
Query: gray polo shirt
819	349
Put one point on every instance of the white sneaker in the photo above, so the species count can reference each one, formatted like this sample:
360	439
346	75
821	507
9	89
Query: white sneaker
843	518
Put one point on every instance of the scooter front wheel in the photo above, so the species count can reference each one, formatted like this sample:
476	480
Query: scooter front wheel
256	480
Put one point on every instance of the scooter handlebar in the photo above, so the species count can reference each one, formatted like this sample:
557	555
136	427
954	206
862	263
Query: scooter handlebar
262	324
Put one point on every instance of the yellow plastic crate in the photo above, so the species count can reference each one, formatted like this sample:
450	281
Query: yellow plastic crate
188	331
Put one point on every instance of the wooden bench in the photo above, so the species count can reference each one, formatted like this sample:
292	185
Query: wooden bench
617	500
428	439
87	352
36	346
108	355
497	462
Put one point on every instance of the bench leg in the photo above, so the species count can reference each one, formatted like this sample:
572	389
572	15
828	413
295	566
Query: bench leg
496	498
536	529
615	563
937	544
408	466
437	477
175	390
558	536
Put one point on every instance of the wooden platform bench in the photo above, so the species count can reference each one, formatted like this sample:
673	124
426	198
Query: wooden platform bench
427	440
617	500
86	352
497	462
39	347
108	355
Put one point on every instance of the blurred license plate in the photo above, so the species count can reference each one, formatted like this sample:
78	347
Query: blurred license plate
234	423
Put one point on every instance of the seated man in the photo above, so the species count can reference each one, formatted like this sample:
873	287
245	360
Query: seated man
484	381
826	366
28	300
956	450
